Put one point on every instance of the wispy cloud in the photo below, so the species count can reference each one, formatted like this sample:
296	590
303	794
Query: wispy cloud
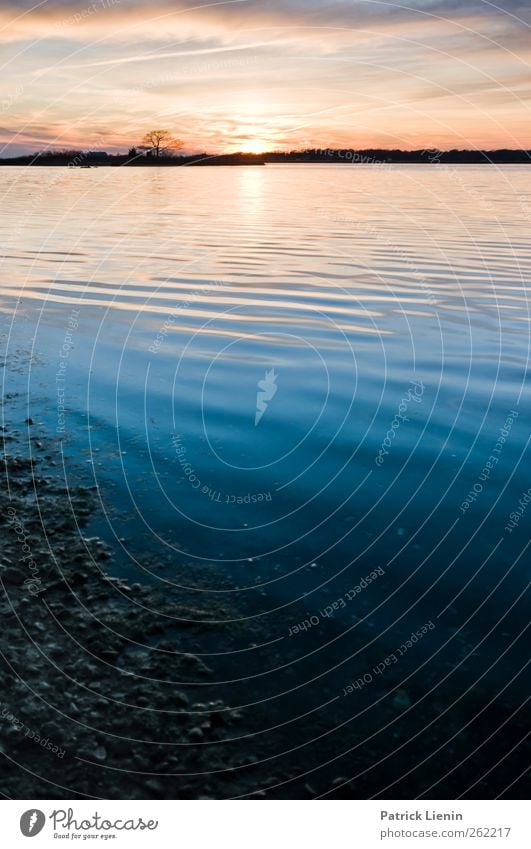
345	71
156	56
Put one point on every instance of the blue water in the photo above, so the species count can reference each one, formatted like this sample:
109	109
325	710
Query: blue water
167	296
302	395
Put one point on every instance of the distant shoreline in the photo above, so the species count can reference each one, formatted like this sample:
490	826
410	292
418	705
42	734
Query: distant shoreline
344	156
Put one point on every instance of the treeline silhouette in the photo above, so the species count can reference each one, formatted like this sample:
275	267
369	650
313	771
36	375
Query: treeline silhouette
383	156
91	159
338	156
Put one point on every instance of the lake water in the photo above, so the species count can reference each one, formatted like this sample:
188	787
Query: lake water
287	377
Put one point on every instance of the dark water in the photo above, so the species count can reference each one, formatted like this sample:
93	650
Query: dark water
379	318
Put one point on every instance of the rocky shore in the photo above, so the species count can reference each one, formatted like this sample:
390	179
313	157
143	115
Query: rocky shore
90	706
107	689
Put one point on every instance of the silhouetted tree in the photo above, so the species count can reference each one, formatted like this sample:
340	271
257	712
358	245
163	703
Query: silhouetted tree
160	142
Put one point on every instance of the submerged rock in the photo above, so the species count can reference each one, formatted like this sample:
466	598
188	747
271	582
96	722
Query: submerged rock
401	700
100	753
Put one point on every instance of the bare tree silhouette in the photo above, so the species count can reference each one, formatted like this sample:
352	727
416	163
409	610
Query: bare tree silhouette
160	142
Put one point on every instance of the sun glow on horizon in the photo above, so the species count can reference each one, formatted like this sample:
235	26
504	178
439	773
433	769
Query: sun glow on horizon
289	86
254	146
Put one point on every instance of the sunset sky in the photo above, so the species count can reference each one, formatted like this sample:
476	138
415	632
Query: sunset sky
265	74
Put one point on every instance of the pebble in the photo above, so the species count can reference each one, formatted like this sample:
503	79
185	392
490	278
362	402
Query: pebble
401	700
195	733
154	785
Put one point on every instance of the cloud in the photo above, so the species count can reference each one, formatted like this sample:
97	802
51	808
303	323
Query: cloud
125	62
81	19
157	56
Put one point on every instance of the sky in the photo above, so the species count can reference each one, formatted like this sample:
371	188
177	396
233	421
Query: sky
258	75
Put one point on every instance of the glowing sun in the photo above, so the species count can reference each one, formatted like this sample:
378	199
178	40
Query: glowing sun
254	146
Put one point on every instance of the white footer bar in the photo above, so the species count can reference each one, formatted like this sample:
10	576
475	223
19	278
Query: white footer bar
265	824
